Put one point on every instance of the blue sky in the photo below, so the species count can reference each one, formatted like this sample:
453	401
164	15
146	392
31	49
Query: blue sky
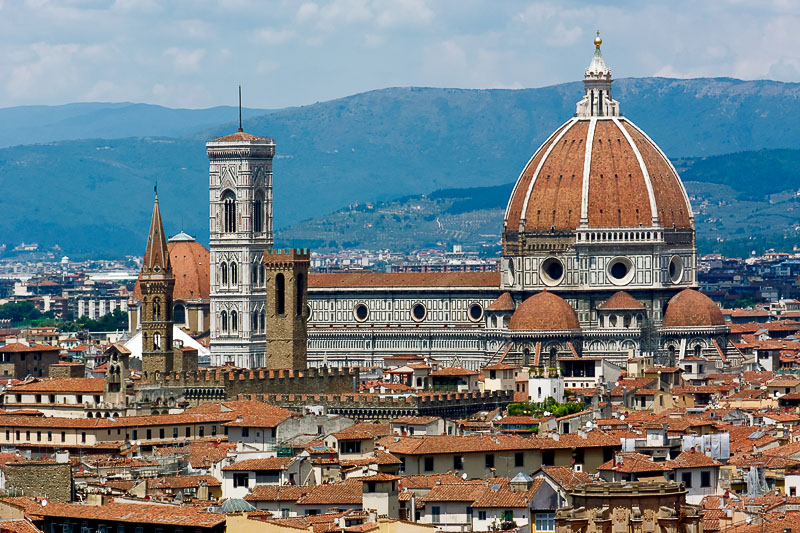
193	53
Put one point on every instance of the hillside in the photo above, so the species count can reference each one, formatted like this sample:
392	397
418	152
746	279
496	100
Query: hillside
734	212
41	124
94	196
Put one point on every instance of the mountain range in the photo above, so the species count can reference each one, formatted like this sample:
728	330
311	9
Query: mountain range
86	184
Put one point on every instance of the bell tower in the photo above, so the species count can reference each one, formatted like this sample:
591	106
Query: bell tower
240	230
157	283
287	309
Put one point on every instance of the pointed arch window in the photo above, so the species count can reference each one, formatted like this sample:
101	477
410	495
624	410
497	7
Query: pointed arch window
223	318
234	322
263	322
258	213
254	275
229	212
223	273
234	275
254	322
156	309
261	275
156	341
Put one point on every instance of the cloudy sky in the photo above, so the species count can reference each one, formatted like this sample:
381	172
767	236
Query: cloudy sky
193	53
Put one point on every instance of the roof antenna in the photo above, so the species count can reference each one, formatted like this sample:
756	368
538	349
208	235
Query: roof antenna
240	108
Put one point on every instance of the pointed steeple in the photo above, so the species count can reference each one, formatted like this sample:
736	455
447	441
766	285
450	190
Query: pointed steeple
156	255
597	101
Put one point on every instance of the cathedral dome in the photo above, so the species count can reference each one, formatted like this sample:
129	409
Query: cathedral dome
190	266
544	311
691	308
598	170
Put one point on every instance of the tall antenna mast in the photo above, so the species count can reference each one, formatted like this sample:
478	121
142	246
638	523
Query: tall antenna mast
240	108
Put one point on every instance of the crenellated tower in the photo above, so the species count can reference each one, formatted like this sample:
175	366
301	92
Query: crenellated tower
240	228
157	284
287	308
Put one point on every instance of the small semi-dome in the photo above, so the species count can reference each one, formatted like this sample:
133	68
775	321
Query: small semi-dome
544	311
503	303
691	308
621	301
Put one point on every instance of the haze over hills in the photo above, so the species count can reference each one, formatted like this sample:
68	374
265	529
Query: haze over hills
40	124
734	213
94	196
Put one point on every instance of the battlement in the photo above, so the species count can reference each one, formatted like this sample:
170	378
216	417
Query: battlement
375	406
281	258
224	375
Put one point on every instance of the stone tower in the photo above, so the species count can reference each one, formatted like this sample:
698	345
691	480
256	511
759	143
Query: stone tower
240	226
117	375
287	308
157	283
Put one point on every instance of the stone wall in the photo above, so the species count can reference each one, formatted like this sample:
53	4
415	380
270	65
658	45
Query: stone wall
371	406
67	370
216	385
41	479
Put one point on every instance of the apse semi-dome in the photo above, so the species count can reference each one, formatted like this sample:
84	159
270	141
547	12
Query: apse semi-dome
690	309
544	311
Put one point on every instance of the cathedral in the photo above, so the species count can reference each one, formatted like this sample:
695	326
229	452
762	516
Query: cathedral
598	262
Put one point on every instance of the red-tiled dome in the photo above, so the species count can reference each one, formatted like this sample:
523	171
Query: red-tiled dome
190	266
691	308
621	301
544	311
622	180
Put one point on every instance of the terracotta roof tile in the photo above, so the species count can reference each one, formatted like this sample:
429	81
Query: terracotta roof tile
413	279
264	463
79	385
544	311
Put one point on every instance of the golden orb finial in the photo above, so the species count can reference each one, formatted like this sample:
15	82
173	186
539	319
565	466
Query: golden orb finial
597	40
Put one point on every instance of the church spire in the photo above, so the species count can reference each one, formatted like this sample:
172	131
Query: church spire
597	101
156	255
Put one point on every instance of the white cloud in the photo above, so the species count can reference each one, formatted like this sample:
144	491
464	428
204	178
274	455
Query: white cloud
186	60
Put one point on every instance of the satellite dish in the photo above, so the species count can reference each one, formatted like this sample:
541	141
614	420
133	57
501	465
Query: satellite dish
138	443
464	476
588	424
44	503
622	418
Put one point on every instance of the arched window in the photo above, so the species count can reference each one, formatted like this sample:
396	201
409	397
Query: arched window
223	273
156	309
223	318
254	322
697	349
156	341
299	300
280	294
263	322
258	213
234	322
261	275
254	275
179	314
234	276
229	212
